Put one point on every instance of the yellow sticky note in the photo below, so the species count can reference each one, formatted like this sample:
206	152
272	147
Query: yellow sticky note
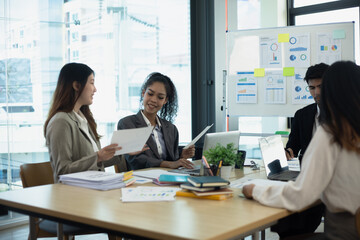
288	71
283	37
259	72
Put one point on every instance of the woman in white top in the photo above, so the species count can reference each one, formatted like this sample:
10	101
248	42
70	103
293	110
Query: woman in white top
70	129
331	164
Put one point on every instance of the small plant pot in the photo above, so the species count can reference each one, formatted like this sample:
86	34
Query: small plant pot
226	172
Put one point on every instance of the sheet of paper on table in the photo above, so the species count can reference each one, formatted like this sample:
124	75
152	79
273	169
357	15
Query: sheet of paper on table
148	194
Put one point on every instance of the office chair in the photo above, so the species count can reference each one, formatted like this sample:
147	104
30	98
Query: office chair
36	174
357	220
121	165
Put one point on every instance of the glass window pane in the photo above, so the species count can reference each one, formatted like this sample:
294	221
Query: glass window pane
343	15
123	41
302	3
248	12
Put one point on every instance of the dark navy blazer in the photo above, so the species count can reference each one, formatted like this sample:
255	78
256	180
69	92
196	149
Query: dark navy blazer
301	130
151	158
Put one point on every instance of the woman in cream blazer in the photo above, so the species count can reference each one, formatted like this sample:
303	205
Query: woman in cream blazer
70	129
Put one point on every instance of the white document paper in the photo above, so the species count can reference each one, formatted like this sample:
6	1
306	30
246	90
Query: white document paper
148	194
198	136
94	179
131	140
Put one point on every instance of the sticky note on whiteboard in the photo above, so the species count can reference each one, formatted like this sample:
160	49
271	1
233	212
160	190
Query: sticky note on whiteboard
283	37
339	34
259	72
288	71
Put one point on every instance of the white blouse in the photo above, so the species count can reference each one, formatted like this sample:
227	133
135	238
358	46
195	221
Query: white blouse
328	172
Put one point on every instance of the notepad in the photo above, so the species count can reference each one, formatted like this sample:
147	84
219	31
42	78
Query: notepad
165	178
189	186
208	181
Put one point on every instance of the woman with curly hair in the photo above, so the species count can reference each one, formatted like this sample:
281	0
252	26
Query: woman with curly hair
159	100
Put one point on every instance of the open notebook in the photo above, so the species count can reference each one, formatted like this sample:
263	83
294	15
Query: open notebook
275	162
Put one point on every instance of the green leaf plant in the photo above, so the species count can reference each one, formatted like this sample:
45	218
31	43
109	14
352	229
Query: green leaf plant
228	154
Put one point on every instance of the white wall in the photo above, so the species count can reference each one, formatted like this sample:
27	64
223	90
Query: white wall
273	14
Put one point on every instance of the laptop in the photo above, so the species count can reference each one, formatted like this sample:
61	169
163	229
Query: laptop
275	162
211	139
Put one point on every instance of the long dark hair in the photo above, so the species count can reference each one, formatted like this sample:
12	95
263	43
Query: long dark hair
340	104
65	96
169	110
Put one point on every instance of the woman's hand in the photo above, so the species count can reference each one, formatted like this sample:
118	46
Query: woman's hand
145	147
289	153
188	153
107	152
248	190
182	162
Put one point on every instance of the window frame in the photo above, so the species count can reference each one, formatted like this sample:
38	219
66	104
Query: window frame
318	8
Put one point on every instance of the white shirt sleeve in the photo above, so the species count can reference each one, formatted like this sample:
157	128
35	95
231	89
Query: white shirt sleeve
318	166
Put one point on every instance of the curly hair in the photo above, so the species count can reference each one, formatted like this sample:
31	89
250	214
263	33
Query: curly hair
169	110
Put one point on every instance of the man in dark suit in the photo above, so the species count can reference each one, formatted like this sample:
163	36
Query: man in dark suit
306	119
303	128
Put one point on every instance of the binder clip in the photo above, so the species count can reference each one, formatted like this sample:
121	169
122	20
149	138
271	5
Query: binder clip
254	165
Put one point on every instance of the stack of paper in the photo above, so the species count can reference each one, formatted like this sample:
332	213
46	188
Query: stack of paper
98	180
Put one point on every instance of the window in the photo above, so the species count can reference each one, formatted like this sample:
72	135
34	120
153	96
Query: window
122	41
342	15
302	3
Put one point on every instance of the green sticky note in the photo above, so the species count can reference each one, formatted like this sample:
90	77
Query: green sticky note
259	72
289	71
339	34
283	37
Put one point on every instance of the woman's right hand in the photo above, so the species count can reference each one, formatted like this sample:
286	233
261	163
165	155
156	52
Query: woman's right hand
289	153
182	162
107	152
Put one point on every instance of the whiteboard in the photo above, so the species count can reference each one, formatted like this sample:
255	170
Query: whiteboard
248	53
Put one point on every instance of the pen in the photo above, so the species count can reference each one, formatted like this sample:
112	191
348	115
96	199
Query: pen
218	168
207	166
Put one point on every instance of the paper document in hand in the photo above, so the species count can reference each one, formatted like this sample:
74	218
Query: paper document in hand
198	136
131	140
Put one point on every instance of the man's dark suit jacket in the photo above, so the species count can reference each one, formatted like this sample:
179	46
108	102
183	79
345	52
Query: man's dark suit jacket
151	158
301	130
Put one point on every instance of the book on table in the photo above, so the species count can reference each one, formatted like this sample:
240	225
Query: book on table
220	191
189	186
167	180
208	181
175	179
186	193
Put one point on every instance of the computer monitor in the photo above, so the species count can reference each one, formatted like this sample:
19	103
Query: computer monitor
223	138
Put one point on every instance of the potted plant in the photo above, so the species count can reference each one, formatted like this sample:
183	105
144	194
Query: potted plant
228	154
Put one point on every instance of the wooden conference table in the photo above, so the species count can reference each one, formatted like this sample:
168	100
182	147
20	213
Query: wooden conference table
184	218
